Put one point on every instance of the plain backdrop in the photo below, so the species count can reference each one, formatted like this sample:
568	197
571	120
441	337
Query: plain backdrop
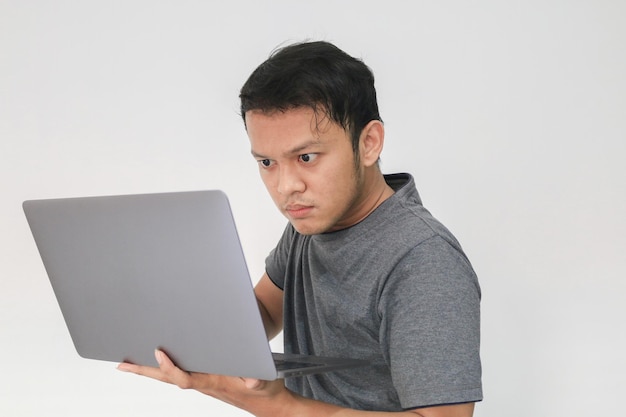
510	115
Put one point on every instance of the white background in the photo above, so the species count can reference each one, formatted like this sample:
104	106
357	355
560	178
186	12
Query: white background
511	116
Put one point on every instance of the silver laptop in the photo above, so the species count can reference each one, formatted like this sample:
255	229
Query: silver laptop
137	272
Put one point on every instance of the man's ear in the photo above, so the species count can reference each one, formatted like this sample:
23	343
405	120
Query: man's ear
371	142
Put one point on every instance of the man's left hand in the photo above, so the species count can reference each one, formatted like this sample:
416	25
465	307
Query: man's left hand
246	393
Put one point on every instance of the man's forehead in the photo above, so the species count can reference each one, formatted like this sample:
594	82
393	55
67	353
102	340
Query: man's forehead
291	132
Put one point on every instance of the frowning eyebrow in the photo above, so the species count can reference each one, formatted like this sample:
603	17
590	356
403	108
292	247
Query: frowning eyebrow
297	150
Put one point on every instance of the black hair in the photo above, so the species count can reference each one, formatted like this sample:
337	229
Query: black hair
317	75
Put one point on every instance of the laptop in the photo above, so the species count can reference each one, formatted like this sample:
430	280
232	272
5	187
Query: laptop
132	273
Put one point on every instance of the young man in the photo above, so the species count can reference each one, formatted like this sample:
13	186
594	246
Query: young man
362	270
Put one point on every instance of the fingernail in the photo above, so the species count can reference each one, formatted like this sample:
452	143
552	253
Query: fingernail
158	355
122	368
252	383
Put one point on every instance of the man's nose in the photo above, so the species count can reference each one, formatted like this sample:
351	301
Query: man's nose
289	181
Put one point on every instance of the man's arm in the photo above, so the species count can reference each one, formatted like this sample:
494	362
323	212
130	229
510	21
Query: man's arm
270	300
271	398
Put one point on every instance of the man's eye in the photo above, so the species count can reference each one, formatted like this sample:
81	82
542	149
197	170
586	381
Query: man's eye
308	157
265	163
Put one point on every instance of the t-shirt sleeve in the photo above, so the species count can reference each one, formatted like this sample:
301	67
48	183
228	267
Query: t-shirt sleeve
276	261
430	326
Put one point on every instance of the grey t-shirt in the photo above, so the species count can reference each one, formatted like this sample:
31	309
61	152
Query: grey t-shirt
395	289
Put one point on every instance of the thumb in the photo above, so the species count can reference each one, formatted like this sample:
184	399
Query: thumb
254	384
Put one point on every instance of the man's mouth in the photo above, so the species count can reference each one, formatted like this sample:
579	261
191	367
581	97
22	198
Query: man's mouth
298	211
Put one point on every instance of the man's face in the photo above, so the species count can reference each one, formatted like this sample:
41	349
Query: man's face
307	164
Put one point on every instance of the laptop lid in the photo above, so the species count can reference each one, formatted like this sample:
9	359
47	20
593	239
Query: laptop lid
133	273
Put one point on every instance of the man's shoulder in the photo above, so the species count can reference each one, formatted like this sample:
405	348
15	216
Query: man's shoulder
406	219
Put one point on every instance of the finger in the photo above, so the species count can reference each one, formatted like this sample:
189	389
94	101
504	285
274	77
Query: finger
166	372
148	371
253	384
172	373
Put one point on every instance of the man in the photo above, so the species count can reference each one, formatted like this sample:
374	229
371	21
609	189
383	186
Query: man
362	269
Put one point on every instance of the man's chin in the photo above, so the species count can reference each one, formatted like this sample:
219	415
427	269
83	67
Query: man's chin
304	231
306	228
